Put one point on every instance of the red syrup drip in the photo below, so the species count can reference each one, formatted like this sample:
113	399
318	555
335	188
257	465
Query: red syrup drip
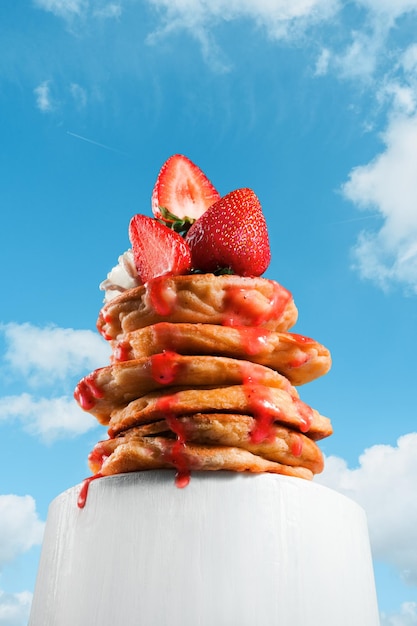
300	338
164	367
253	340
101	323
298	362
296	447
87	392
122	352
302	357
161	295
306	415
259	398
176	455
167	335
82	496
243	308
97	456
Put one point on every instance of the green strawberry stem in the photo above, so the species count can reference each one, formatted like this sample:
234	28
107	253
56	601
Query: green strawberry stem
218	272
180	226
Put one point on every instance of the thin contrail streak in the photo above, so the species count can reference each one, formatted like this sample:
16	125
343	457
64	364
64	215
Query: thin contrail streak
96	143
358	219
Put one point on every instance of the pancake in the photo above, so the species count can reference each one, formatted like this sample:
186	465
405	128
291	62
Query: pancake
283	445
199	298
113	386
132	453
298	358
268	404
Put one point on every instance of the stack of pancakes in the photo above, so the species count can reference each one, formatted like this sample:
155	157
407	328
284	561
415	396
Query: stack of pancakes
202	378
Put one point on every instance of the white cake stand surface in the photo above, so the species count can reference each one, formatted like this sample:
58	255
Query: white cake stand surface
227	550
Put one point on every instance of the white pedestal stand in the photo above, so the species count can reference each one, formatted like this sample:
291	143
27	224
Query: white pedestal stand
228	550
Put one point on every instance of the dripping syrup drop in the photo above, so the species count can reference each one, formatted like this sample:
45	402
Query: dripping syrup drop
82	496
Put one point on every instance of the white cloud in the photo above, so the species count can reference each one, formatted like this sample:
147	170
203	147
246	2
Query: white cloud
63	8
49	354
48	357
43	97
388	184
361	57
79	95
15	608
406	617
70	10
409	60
384	484
322	62
388	9
110	10
47	418
20	526
278	17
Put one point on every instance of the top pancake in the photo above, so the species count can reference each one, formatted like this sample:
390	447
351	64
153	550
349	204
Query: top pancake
228	300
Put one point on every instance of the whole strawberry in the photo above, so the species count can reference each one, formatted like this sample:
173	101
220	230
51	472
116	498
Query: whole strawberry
231	234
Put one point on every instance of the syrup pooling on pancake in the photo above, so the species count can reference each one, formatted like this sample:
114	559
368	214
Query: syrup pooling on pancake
203	365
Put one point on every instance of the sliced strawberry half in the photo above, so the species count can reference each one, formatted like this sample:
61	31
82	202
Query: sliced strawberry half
182	192
232	233
157	250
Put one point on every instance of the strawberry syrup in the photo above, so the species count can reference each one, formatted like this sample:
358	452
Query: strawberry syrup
259	398
161	295
87	392
244	309
121	352
102	322
253	340
296	447
82	496
306	415
177	454
164	367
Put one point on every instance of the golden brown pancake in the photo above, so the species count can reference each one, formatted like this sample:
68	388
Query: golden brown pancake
298	358
282	445
267	404
132	453
116	385
199	298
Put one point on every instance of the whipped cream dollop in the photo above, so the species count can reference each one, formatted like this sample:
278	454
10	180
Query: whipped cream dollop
121	277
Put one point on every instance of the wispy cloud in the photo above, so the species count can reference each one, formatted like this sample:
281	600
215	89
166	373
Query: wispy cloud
79	95
43	97
63	8
50	354
388	184
50	419
407	616
14	608
278	18
108	10
20	530
383	470
48	358
70	10
387	9
20	527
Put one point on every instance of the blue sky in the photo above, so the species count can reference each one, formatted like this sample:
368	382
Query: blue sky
313	104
